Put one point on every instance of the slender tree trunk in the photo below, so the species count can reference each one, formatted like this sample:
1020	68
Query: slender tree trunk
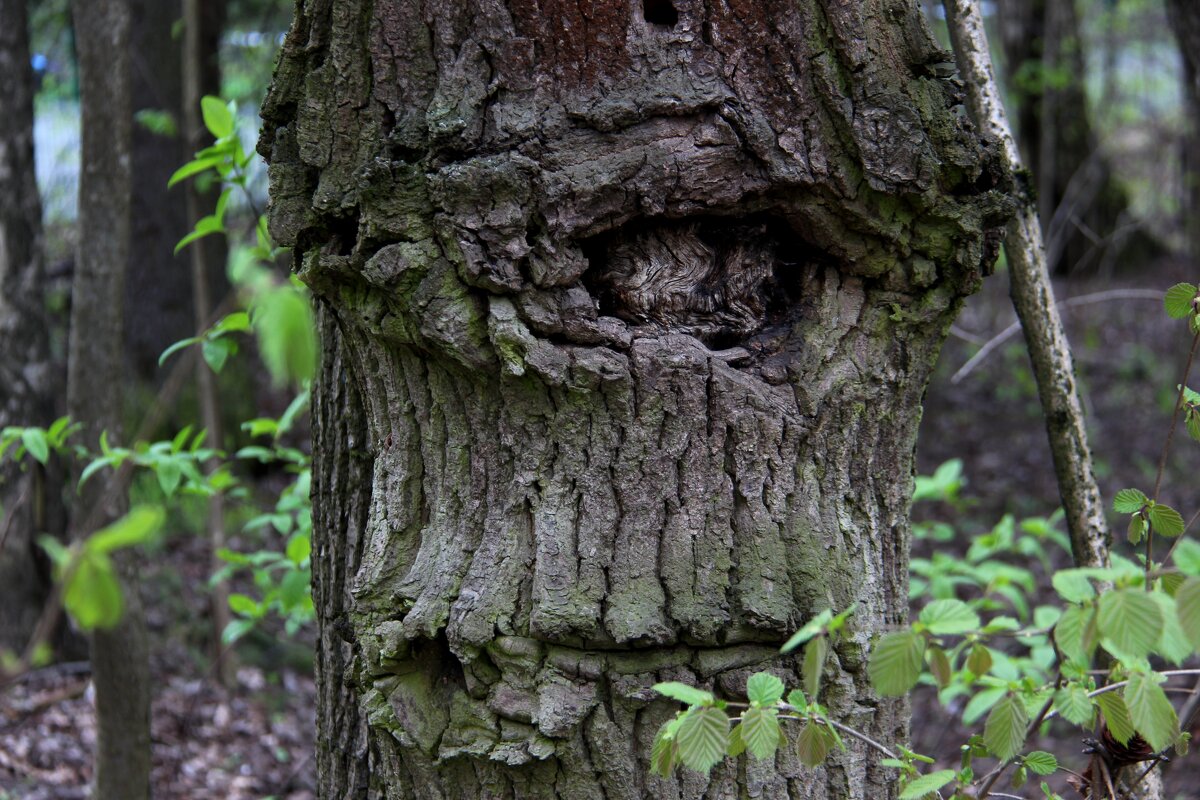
1185	21
27	376
628	310
120	667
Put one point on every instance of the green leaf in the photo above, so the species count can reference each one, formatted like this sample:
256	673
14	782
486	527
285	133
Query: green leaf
1166	520
949	618
796	699
1004	731
689	695
299	547
939	665
979	661
235	630
1179	299
1137	529
1150	711
59	555
814	664
1129	501
1074	705
1187	556
92	468
1191	421
293	589
813	627
760	731
737	745
1116	716
1040	762
182	343
169	472
702	737
1073	585
1075	634
236	322
812	745
1174	644
218	118
1187	608
192	168
927	784
217	351
286	334
764	688
663	755
35	442
136	527
92	594
1131	620
895	664
244	605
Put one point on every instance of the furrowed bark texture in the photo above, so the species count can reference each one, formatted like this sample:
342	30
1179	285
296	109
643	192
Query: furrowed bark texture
120	666
27	379
639	302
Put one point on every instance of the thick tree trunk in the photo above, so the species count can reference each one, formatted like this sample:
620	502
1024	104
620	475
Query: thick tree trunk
27	377
629	309
120	668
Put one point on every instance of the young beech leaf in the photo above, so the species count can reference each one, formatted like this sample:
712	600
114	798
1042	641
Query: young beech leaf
1040	762
92	594
926	784
35	442
684	693
217	116
1004	731
760	731
1130	620
1187	609
1174	644
1129	501
764	688
1187	556
895	664
1074	705
1179	300
702	737
949	618
136	527
1073	585
812	745
1137	529
1166	521
811	628
1150	711
664	755
814	664
1116	716
939	665
979	661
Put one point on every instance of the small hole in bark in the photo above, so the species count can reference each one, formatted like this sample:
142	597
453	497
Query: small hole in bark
660	12
345	233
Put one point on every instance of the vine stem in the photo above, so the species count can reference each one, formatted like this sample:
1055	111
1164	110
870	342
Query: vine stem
1162	461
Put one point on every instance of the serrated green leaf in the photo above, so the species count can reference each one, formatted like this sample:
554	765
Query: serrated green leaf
36	444
1071	633
814	664
216	352
981	703
1074	705
811	628
979	662
1004	731
244	605
1040	762
662	754
1131	620
1073	585
1187	556
702	737
1166	521
1116	716
92	594
949	618
136	527
926	784
1187	608
796	699
1129	501
286	334
217	116
1150	711
299	548
1179	300
760	731
169	473
812	745
764	688
684	693
235	630
737	745
895	663
1191	421
1174	644
1137	529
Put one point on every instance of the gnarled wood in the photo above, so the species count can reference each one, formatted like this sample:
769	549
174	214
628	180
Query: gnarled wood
639	302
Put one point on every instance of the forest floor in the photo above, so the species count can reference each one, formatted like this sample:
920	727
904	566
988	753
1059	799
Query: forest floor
254	740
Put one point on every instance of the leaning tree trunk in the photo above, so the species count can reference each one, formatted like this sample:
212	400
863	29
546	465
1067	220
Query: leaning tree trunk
27	376
629	309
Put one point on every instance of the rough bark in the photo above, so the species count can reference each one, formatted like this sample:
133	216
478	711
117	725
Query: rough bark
1079	201
639	302
120	670
27	376
1185	21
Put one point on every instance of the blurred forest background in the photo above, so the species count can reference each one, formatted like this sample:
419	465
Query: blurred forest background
1105	97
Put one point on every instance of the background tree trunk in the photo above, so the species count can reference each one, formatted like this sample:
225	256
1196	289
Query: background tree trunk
629	310
27	376
1185	21
120	669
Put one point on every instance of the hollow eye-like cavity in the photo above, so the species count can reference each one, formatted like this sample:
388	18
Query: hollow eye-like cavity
660	12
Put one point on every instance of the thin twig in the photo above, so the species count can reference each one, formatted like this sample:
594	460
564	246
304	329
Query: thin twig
12	514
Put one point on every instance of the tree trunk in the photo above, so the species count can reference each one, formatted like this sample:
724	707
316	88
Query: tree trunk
120	670
27	377
628	309
1185	21
1080	202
